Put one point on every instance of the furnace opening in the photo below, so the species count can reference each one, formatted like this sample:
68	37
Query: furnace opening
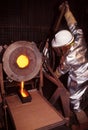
22	61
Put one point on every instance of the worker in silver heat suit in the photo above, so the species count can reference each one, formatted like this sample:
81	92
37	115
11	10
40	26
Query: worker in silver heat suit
71	44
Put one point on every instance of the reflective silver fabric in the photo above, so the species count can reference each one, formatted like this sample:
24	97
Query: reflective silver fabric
76	63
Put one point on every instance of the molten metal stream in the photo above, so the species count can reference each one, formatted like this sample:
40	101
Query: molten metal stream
22	90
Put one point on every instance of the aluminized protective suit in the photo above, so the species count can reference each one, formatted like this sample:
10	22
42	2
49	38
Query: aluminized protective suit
76	63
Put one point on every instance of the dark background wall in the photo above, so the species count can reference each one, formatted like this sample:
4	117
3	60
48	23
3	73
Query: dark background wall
32	19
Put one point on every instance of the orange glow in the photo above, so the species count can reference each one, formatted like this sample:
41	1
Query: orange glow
22	90
22	61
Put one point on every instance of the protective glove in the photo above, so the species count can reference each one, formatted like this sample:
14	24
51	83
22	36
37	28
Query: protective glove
57	73
68	14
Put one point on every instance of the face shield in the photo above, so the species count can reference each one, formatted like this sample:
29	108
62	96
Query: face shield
62	50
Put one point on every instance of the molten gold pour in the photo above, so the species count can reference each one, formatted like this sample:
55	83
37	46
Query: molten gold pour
22	90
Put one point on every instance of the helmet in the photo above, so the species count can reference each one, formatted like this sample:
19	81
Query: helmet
63	37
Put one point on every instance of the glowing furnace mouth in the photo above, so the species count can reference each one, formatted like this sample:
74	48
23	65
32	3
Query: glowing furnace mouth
22	61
